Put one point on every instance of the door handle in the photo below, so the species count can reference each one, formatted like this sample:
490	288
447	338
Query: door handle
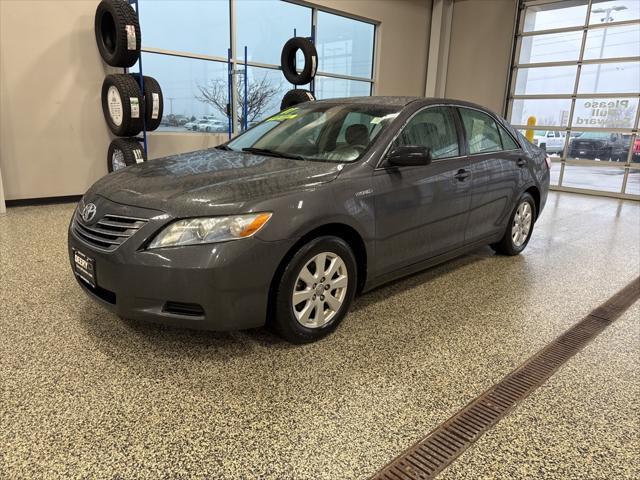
462	175
521	163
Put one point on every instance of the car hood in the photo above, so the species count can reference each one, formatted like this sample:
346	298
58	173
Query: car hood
193	183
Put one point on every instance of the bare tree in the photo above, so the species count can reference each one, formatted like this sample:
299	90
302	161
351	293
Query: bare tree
259	95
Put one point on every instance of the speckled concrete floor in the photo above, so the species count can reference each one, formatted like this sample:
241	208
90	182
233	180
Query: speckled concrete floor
85	394
584	423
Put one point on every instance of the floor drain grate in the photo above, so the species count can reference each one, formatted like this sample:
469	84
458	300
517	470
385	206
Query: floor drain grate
436	451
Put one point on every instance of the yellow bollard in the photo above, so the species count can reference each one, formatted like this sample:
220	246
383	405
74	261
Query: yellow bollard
531	121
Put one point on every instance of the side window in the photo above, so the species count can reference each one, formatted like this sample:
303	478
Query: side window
433	127
481	131
508	143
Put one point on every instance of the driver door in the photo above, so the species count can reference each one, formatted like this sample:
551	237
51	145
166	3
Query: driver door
421	211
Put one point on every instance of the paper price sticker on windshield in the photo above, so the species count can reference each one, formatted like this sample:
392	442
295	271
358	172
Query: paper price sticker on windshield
287	114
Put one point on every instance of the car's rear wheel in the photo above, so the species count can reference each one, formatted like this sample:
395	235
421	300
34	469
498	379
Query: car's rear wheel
315	290
519	229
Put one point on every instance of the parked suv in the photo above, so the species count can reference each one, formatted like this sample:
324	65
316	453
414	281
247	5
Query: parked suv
599	146
554	141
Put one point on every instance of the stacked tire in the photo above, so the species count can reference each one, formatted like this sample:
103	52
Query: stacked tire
305	76
127	109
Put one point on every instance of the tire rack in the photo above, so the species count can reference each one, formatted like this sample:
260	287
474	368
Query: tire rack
230	73
140	78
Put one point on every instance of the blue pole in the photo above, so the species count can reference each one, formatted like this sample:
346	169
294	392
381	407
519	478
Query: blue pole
141	83
230	100
246	104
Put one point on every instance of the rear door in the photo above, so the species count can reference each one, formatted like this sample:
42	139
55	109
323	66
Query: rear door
496	163
421	210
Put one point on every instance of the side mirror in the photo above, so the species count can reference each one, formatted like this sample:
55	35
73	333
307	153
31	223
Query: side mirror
543	146
409	156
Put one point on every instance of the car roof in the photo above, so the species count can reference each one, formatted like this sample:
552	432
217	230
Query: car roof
401	101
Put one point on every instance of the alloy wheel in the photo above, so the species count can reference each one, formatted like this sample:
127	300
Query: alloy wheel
521	224
320	290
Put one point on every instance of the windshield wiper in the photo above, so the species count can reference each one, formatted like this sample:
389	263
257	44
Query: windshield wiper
224	147
271	153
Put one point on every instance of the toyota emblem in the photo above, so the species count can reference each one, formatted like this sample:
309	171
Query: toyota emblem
88	212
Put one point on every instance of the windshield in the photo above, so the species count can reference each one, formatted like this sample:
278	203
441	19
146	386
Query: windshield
326	132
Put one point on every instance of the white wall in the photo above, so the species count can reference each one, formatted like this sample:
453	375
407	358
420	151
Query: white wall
480	51
403	41
3	208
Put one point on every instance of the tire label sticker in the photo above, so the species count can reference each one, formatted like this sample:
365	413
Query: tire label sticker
114	103
309	96
135	107
313	65
138	154
155	105
131	37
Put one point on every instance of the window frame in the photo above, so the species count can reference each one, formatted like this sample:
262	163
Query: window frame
499	126
585	28
236	58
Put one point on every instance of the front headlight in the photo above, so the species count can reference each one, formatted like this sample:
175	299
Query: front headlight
195	231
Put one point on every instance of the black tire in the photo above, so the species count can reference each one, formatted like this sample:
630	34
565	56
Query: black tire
153	103
117	33
506	245
124	152
288	60
283	320
122	105
295	97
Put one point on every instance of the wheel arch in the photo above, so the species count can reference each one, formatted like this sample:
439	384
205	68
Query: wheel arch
341	230
535	193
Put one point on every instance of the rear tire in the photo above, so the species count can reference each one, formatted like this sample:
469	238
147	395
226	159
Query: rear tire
315	290
519	229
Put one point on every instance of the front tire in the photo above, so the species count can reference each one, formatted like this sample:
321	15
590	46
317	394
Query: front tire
315	290
519	229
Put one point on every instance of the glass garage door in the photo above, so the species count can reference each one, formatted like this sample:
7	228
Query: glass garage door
575	88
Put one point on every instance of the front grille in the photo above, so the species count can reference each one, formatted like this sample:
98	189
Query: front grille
109	232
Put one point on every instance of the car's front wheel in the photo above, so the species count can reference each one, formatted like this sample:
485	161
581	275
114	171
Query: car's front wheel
315	290
519	229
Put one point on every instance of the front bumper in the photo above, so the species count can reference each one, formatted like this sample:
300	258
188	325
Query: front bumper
230	281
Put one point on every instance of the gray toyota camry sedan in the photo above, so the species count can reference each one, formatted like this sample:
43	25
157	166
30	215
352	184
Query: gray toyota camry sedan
284	224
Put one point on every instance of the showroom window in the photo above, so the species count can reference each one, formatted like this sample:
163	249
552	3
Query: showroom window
575	88
186	45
